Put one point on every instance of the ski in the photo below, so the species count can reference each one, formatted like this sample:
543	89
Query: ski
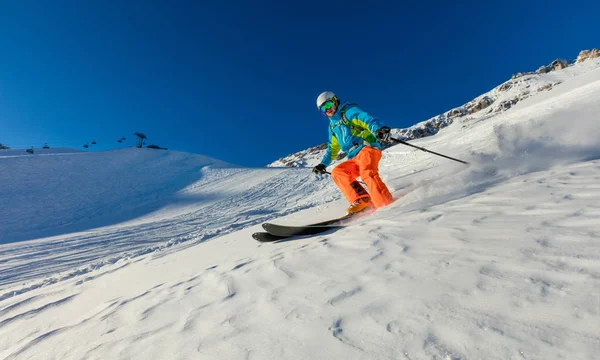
266	237
305	230
288	231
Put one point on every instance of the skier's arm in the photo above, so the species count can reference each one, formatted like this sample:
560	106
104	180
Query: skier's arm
333	148
361	118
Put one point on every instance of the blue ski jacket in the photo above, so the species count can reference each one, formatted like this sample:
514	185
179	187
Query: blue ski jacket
350	129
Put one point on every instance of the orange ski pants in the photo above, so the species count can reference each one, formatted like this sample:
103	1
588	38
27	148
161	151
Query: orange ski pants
365	165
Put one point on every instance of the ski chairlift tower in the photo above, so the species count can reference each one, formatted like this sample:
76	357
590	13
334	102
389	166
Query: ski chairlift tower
140	139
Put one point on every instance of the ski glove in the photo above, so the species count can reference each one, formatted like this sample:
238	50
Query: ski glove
383	134
320	169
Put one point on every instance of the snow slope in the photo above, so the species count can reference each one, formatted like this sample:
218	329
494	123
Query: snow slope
497	260
103	207
37	152
68	192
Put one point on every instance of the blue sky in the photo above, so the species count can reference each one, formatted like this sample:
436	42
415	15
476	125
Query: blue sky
237	80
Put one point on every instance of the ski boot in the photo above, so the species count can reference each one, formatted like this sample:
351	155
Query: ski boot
359	205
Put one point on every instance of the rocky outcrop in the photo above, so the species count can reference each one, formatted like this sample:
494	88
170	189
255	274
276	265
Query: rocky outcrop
558	64
519	74
524	95
481	104
458	112
4	147
506	104
504	87
547	87
587	54
431	127
542	69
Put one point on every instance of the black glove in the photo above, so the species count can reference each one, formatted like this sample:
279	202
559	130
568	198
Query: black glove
383	134
320	169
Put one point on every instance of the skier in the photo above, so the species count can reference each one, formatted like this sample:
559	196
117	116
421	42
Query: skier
359	135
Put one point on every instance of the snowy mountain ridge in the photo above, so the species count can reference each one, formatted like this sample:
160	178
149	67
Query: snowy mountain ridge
501	98
23	152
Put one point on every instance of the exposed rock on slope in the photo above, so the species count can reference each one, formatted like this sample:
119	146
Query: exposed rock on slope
587	54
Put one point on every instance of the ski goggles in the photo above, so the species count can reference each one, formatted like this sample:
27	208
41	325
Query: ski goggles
327	105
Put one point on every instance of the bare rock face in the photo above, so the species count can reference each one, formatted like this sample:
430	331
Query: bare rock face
558	64
458	112
524	95
507	85
481	104
520	74
507	104
429	128
587	54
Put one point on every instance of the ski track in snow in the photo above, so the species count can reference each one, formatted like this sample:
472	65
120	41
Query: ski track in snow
499	260
266	194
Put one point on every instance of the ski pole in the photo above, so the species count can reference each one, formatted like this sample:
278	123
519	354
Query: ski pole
429	151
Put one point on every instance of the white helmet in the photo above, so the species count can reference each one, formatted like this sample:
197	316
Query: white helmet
324	97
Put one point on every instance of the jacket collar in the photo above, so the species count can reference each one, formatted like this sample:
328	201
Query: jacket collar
338	114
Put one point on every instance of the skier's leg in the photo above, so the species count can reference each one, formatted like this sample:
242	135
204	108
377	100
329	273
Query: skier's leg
344	175
368	163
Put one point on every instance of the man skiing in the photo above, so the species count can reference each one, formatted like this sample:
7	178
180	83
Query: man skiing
359	135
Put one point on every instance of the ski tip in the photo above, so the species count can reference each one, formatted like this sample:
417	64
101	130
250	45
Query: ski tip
267	226
266	237
259	237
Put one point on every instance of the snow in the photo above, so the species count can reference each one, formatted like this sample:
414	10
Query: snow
107	206
496	260
37	152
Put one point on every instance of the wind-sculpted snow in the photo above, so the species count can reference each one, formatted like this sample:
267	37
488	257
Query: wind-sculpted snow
496	260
